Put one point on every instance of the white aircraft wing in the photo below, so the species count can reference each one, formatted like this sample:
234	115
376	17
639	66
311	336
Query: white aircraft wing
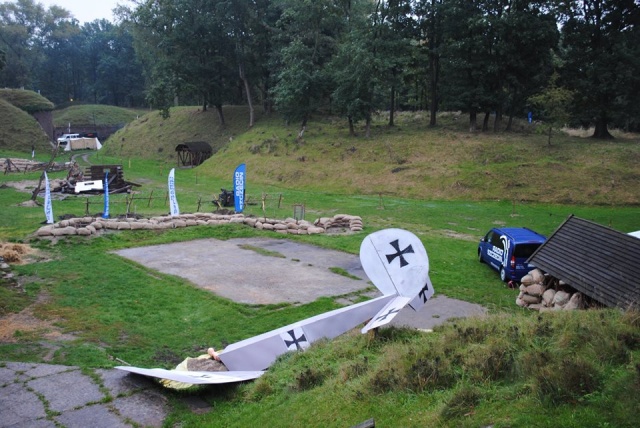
259	352
195	377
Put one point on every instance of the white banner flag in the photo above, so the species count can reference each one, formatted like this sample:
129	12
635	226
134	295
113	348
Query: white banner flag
173	203
48	210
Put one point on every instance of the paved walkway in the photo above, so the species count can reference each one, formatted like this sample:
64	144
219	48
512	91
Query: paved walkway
29	393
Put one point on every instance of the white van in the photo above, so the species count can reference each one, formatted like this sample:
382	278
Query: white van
65	138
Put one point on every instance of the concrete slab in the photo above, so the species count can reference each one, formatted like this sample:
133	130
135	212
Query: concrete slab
66	391
119	383
438	310
148	409
245	276
98	415
19	406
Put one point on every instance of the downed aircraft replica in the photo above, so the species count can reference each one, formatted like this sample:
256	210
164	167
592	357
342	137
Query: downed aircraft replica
394	260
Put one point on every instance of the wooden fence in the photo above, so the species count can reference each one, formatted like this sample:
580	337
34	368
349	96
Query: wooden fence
132	203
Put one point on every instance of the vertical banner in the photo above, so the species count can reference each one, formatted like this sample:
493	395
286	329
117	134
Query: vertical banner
48	211
239	178
173	203
105	212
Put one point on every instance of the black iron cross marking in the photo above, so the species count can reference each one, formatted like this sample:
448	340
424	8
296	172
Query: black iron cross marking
399	253
423	293
296	340
384	317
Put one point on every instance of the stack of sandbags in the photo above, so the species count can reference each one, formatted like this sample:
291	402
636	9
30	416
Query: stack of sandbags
340	222
537	293
87	226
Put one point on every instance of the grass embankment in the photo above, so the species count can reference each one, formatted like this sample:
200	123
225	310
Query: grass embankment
95	114
18	129
409	160
514	368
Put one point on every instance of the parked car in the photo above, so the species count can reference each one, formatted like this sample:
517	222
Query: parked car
507	250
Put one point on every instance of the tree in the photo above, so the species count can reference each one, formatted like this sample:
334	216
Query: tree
354	72
308	31
188	39
392	29
465	59
553	104
20	24
431	37
601	47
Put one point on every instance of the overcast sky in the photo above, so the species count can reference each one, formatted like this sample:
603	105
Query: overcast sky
85	10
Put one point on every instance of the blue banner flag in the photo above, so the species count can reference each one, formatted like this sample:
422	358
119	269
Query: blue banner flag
173	202
48	210
105	212
239	179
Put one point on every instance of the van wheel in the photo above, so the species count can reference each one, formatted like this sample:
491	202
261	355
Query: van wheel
480	256
503	274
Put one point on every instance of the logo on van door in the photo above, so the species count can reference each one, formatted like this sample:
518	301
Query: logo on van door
495	253
505	254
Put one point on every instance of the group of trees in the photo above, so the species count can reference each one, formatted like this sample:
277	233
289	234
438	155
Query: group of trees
488	58
46	50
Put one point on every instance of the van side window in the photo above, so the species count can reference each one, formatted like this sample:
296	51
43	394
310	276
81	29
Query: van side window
496	241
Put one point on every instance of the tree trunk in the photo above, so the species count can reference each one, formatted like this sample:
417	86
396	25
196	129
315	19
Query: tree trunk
434	68
303	126
352	131
392	107
601	130
220	115
485	122
509	123
473	121
368	126
497	122
247	90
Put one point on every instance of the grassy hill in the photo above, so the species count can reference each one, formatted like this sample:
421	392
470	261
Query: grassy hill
408	160
18	129
95	114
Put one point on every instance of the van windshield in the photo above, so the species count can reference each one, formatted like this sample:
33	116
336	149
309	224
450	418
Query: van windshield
525	250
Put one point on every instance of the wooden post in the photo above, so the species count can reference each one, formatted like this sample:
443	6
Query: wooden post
150	198
128	201
86	210
279	200
199	204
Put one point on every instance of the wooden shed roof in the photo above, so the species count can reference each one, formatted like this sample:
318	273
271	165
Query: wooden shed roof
598	261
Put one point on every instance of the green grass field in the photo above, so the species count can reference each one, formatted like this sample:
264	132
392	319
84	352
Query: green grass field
513	368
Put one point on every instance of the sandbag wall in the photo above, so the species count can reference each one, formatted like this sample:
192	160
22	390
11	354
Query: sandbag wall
544	293
87	226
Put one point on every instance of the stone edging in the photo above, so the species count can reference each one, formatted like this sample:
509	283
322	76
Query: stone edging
87	226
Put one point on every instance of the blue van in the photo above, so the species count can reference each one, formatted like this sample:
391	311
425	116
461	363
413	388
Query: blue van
507	250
